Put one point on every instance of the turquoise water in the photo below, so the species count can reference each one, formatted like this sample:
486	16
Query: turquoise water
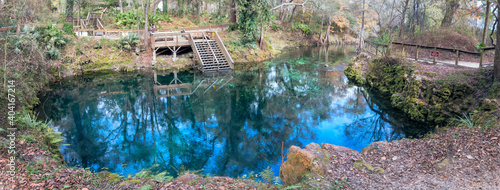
227	124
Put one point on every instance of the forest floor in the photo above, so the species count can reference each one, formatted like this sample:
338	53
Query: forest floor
455	158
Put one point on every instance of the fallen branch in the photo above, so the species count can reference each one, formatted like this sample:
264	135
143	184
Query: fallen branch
286	4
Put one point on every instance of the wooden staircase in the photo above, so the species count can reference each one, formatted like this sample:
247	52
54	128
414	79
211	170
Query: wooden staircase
211	53
95	17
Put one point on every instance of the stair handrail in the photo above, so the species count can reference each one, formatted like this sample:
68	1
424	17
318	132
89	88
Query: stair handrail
224	50
83	23
195	49
102	13
99	23
210	47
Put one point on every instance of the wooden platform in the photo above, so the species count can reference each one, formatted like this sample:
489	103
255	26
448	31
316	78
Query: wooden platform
207	46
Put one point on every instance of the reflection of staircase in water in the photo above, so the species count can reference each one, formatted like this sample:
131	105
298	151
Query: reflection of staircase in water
177	88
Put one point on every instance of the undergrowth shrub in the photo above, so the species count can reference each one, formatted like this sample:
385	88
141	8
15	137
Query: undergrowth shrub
303	27
42	129
51	39
128	42
68	28
128	19
276	27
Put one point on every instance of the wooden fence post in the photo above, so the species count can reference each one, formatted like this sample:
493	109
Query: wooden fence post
481	60
434	57
416	56
404	55
457	57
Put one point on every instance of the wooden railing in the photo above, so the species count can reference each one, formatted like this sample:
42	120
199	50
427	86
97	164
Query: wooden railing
170	39
374	47
108	33
223	49
100	24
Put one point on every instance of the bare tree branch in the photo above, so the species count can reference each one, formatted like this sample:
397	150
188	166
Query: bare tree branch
287	4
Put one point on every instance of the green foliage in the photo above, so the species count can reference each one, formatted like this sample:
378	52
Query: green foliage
68	28
251	14
233	27
129	20
303	27
276	27
159	177
384	38
340	184
128	42
267	175
50	39
53	53
146	187
97	46
29	68
50	36
43	129
480	46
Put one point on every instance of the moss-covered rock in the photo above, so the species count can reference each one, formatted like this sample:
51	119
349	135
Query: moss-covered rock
313	159
422	98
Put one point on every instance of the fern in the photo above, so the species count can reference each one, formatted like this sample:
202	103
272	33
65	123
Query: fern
466	121
267	175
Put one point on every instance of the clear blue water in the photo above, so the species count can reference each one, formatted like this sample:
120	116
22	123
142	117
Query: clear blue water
226	125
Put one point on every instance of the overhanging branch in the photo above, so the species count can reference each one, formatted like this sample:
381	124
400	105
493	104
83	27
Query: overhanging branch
287	4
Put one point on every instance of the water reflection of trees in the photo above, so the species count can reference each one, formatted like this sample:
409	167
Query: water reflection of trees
115	121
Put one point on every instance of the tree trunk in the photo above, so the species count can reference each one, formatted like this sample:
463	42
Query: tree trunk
361	39
232	17
156	3
121	6
220	10
180	7
486	18
320	41
496	69
281	11
293	14
79	14
451	8
138	21
198	11
69	10
401	26
309	23
165	6
261	41
146	26
327	35
5	67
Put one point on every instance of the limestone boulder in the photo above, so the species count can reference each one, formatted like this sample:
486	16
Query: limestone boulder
313	159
